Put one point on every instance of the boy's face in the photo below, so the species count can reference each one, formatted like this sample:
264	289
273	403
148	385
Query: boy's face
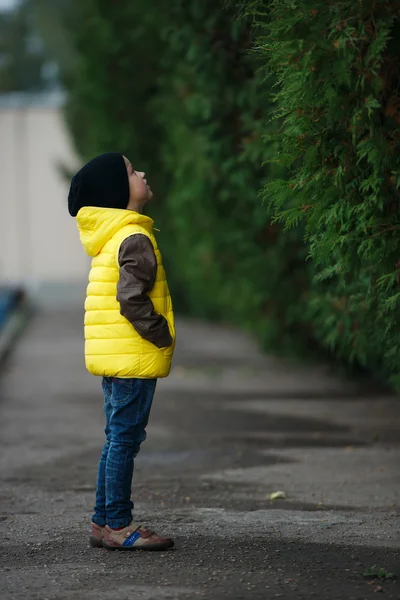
139	192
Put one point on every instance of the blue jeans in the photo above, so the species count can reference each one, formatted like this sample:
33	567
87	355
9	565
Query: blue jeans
127	404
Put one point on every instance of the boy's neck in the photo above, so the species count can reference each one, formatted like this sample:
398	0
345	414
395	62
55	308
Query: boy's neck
138	209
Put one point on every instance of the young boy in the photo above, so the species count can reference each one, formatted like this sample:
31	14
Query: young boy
129	332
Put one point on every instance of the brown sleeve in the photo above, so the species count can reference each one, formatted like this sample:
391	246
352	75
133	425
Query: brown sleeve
137	274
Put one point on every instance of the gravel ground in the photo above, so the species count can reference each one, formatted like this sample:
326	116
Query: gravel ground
228	428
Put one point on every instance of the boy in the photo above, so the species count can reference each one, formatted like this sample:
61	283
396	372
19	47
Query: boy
129	332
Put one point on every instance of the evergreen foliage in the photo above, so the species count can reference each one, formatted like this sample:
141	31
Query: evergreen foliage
22	57
337	101
184	89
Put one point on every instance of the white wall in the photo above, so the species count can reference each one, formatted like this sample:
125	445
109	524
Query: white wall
39	242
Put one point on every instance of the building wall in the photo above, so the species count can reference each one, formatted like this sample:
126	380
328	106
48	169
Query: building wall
39	242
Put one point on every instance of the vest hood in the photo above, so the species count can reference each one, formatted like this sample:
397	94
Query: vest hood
98	225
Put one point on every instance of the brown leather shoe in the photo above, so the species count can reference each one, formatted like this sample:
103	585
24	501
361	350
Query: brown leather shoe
96	537
134	537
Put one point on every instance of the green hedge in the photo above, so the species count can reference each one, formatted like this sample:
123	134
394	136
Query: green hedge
217	102
338	105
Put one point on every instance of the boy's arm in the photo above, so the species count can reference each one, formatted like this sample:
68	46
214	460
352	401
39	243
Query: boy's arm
137	274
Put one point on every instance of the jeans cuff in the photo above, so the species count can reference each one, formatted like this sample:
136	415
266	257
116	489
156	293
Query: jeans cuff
118	523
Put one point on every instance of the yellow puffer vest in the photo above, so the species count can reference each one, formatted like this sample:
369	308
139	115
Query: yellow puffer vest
113	348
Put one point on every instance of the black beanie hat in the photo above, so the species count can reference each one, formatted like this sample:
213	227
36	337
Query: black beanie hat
102	182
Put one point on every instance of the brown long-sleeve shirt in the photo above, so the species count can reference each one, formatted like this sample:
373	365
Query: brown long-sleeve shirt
137	274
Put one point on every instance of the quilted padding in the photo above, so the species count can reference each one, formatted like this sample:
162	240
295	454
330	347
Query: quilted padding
113	348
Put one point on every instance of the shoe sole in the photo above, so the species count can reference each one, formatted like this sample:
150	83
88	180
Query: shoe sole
95	542
147	547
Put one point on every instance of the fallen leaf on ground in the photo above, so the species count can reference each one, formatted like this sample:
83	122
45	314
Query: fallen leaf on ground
277	496
376	572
